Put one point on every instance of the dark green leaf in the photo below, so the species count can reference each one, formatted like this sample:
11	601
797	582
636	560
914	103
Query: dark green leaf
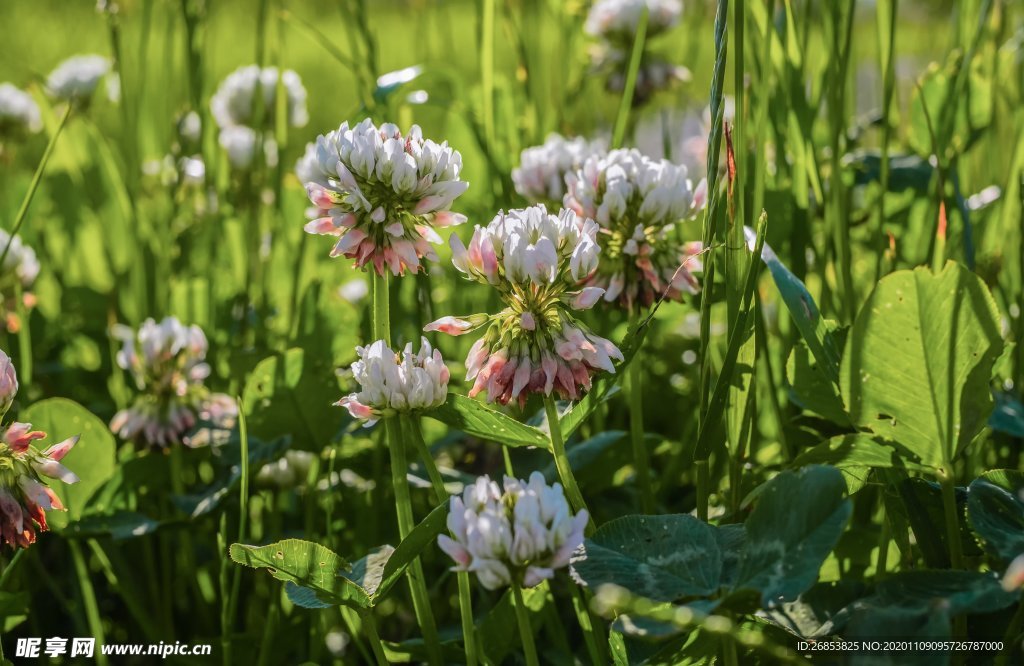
475	418
995	510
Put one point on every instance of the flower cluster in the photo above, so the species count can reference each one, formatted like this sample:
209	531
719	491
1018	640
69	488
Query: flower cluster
391	382
167	361
614	23
617	20
234	103
638	203
24	498
234	108
20	267
519	536
75	79
383	193
19	113
540	176
537	262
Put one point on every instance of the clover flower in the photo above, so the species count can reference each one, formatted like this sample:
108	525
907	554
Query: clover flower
617	20
537	262
24	497
383	194
288	471
638	202
540	176
392	382
653	75
234	102
167	362
240	145
1013	579
76	78
517	535
20	267
19	113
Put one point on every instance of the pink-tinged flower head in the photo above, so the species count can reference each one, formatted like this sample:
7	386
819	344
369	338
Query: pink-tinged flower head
538	262
1013	579
381	193
617	20
392	382
24	497
8	382
520	534
167	361
540	176
638	203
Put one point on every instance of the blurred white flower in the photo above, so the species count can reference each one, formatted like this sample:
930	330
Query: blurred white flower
240	145
638	202
618	19
382	194
355	290
399	76
288	471
168	363
519	535
21	261
540	176
306	167
77	77
234	101
190	128
19	113
8	382
391	382
654	74
537	261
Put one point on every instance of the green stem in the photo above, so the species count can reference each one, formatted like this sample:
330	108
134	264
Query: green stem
403	506
412	428
381	309
370	627
231	606
636	433
956	557
9	569
572	490
1012	637
579	604
703	492
24	336
34	185
626	102
525	630
92	610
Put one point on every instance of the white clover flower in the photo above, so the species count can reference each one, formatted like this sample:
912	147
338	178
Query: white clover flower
20	262
289	471
638	203
77	77
540	176
617	20
190	128
354	290
391	382
519	536
240	145
537	261
233	103
383	194
19	113
167	362
306	167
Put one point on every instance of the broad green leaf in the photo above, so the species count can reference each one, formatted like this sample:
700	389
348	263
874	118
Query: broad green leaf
92	458
293	394
995	510
475	418
304	597
660	557
919	358
858	450
811	388
306	564
421	536
789	536
117	525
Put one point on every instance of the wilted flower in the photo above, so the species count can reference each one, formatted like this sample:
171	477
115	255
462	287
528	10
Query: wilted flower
234	102
391	382
19	113
20	266
519	536
76	78
167	362
383	194
24	498
540	176
638	203
537	261
617	20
